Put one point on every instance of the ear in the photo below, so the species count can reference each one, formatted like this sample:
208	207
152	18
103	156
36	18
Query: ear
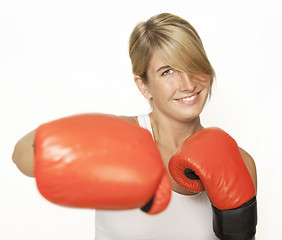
143	88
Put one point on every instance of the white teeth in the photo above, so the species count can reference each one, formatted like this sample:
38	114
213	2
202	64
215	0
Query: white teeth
189	98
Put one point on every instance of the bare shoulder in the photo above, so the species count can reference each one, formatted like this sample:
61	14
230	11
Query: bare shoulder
133	119
250	163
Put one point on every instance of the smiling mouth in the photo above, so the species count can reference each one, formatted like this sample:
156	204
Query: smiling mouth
189	98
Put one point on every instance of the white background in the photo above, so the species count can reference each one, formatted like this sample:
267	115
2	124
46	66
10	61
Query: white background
60	57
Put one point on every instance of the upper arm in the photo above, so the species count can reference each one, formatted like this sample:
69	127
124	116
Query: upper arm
23	155
133	119
250	163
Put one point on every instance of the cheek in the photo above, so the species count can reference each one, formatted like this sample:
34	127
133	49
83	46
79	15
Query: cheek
204	84
170	89
202	80
163	89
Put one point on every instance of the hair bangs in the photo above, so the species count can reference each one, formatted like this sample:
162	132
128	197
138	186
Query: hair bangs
184	54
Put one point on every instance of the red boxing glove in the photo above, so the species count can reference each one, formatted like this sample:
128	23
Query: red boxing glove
101	162
214	156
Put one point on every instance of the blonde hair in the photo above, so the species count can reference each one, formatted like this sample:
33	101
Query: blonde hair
175	40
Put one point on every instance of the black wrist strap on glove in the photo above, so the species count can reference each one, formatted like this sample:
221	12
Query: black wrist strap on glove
236	224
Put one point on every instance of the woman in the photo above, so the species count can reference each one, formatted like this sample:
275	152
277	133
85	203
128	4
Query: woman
172	71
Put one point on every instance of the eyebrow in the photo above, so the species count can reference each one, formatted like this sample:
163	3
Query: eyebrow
163	67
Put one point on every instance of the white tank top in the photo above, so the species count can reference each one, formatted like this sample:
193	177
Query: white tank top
185	218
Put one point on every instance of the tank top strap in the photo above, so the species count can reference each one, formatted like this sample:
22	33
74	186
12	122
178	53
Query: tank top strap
144	122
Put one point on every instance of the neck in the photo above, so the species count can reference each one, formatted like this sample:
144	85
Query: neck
173	132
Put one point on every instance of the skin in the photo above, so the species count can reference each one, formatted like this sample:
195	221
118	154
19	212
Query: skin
172	118
23	154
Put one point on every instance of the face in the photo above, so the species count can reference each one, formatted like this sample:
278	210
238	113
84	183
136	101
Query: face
175	93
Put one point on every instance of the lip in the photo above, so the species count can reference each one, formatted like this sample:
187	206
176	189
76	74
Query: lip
188	100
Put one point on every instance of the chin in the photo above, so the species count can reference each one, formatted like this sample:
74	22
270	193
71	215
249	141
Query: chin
187	116
191	112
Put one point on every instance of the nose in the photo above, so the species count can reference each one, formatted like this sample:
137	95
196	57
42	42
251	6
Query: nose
187	83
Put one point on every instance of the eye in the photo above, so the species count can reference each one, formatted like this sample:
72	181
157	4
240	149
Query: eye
167	72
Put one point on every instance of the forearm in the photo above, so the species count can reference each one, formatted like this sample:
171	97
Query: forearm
23	154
